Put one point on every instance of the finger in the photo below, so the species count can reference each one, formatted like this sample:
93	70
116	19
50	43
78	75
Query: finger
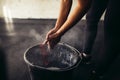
47	37
49	33
48	45
51	45
45	42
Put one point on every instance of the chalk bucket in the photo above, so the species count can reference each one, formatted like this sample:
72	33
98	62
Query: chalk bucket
55	64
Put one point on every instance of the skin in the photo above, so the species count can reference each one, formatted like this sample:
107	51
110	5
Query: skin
66	20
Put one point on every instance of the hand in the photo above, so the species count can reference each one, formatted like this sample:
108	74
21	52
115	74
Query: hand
52	38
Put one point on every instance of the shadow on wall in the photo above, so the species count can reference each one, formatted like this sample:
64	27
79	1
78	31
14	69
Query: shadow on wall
3	70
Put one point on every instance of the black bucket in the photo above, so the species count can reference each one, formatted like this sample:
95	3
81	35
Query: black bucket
56	64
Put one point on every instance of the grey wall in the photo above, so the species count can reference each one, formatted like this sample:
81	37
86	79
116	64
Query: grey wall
30	8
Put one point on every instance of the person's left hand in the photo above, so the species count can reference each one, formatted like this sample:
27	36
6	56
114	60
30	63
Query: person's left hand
52	38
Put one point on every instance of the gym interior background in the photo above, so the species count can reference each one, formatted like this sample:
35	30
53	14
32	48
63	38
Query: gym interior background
24	23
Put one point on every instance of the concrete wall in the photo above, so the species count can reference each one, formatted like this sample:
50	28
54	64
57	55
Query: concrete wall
1	8
30	8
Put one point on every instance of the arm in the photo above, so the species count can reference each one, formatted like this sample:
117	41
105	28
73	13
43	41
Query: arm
66	21
79	11
65	8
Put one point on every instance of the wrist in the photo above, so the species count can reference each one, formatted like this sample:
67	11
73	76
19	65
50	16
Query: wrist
59	33
56	28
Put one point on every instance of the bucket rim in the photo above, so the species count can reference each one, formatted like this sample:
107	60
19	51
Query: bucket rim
57	70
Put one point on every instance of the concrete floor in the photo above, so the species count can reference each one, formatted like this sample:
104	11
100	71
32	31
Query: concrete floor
16	38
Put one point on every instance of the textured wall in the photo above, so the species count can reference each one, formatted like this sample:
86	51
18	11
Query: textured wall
30	8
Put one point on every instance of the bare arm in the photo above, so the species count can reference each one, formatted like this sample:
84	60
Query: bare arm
65	20
78	12
65	8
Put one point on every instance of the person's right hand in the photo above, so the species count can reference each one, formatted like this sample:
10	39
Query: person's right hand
52	38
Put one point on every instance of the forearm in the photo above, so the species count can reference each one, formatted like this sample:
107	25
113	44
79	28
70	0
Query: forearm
78	12
65	7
